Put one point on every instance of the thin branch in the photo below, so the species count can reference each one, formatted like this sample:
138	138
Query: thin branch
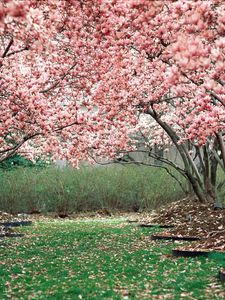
218	159
7	48
221	82
66	126
213	94
216	97
138	163
58	81
11	151
187	159
162	159
18	51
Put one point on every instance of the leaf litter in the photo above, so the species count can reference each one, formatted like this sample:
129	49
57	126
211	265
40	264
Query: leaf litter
112	259
193	219
97	260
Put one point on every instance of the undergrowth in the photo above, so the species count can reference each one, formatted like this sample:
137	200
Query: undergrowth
68	190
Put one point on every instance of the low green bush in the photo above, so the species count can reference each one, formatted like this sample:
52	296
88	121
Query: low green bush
65	190
19	161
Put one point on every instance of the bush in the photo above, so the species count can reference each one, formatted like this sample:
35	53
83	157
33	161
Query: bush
52	189
20	161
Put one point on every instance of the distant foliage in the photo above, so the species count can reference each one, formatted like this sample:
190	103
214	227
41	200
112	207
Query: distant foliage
20	161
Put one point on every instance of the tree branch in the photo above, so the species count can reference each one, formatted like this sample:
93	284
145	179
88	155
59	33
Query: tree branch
11	151
58	81
116	161
7	48
18	51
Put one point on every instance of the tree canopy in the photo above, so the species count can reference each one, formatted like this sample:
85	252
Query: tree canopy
77	75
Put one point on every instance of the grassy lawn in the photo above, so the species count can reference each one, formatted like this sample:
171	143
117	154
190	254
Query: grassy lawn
100	260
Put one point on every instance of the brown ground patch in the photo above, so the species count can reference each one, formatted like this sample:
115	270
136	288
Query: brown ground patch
194	219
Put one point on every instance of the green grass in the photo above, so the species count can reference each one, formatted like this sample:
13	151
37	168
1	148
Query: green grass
69	190
100	260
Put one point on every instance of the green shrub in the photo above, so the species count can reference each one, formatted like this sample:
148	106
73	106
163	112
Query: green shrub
66	190
19	161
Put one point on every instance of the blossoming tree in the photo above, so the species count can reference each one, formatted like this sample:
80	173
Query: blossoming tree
167	61
47	74
76	76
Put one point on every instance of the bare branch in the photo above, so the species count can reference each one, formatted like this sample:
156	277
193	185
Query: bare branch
138	163
11	151
18	51
7	48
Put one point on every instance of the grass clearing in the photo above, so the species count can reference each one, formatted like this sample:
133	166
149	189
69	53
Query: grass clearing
106	259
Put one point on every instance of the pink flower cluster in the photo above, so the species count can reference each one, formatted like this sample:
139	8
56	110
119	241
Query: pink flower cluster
76	75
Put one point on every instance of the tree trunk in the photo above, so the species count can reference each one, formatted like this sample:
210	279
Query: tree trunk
200	182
